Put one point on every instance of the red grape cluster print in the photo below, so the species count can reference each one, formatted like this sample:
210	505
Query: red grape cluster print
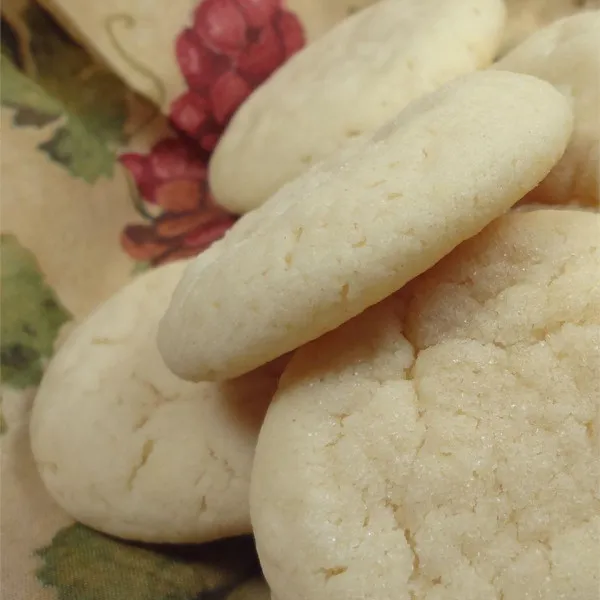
171	181
231	47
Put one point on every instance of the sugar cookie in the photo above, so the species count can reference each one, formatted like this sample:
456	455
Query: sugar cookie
567	54
351	81
357	227
126	447
444	444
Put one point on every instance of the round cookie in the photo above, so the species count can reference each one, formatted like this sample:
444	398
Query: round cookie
360	225
444	444
567	54
351	81
129	449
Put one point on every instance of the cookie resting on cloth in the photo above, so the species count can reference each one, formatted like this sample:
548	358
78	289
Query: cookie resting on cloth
444	444
351	81
358	226
129	449
567	54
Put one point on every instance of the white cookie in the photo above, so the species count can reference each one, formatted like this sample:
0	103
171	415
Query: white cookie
129	449
357	227
349	82
444	445
567	54
525	17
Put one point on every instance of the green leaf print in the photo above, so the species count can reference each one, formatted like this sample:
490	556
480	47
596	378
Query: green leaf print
84	565
3	426
33	106
85	156
85	100
31	316
141	267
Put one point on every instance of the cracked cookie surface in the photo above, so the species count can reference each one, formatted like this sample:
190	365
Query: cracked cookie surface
129	449
360	225
444	445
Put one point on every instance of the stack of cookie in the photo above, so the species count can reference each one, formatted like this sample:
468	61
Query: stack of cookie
388	369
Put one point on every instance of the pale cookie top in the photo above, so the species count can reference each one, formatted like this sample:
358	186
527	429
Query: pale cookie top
567	54
352	80
126	447
444	444
357	227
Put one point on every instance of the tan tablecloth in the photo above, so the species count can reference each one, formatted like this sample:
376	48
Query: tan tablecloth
76	225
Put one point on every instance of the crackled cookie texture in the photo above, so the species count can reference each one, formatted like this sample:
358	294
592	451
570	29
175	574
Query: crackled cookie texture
361	224
129	449
444	444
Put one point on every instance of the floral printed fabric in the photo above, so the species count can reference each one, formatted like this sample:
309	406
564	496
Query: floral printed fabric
175	200
98	185
230	49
